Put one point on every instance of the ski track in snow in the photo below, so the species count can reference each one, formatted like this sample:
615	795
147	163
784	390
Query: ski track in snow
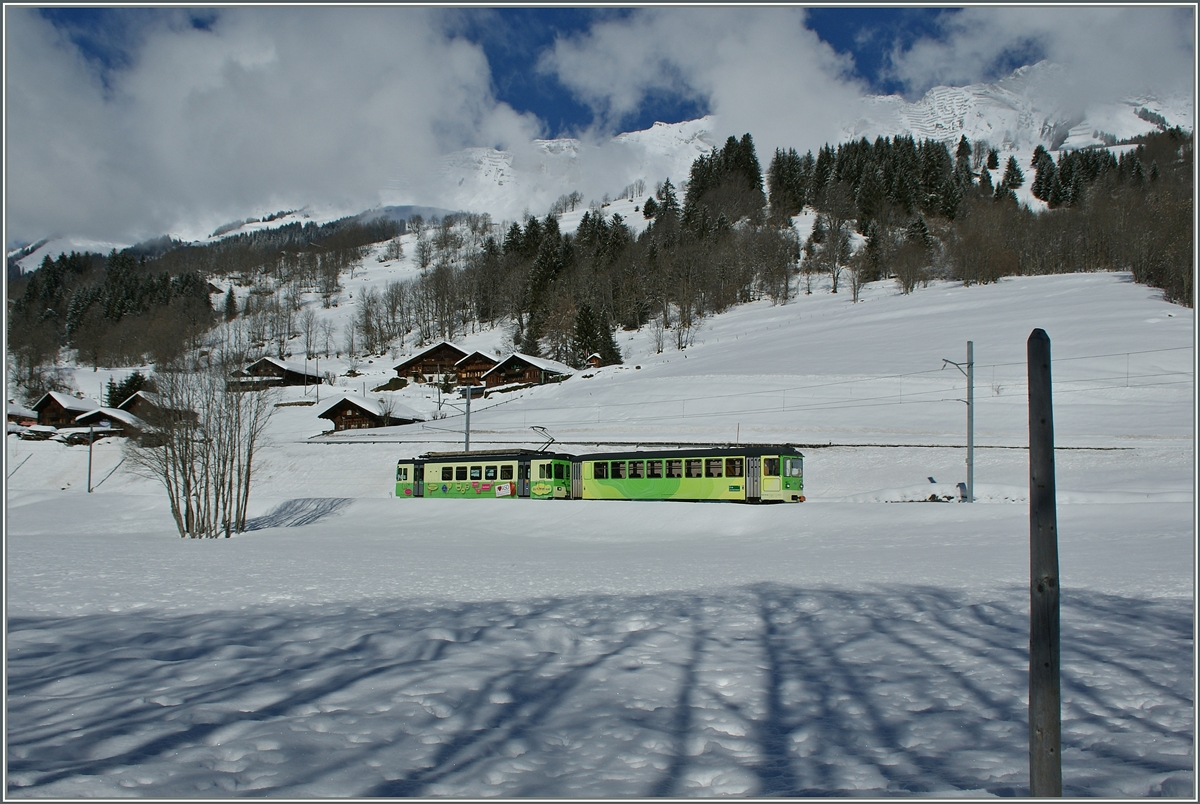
352	644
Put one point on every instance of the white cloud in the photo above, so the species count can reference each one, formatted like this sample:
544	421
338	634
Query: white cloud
1107	52
268	109
758	70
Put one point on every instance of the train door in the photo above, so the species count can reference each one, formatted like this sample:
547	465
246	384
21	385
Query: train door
576	480
753	479
419	480
523	478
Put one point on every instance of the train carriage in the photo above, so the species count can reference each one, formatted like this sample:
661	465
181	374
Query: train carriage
758	473
504	474
770	473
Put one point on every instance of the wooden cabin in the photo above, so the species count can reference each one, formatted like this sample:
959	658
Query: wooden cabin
527	370
438	360
471	368
56	409
272	372
113	421
19	414
358	412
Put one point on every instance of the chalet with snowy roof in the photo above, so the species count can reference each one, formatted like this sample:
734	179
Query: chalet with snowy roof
594	360
268	372
20	414
436	361
56	409
525	370
113	421
149	407
471	368
353	412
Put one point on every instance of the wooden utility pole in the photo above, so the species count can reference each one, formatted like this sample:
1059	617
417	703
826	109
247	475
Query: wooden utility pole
1045	700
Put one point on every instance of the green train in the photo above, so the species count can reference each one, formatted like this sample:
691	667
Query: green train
754	474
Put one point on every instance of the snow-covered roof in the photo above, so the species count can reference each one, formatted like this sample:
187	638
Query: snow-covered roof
372	406
152	398
481	353
116	414
553	366
18	410
426	351
67	402
286	365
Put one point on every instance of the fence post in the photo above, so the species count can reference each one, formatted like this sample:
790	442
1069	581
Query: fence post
1045	702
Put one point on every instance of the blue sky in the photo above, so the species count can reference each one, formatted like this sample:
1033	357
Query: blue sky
127	123
514	38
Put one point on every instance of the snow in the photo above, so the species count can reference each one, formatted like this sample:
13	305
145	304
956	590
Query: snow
353	644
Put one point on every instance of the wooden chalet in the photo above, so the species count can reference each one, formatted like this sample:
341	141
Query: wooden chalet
19	414
437	360
526	370
594	360
113	421
358	412
269	372
148	407
56	409
471	368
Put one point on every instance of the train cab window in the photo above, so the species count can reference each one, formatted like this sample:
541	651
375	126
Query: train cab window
401	473
791	467
637	469
618	469
693	467
674	468
654	469
506	472
543	471
460	473
559	471
712	467
477	473
733	467
447	473
770	467
489	473
600	470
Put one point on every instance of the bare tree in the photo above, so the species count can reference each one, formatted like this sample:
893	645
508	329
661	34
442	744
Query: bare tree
308	328
205	438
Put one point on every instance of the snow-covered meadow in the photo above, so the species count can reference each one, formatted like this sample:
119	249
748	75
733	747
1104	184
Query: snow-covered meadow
861	643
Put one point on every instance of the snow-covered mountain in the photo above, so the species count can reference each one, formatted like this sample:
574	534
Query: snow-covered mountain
506	183
1017	113
1014	114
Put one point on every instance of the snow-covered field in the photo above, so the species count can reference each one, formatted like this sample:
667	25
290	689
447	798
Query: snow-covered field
353	644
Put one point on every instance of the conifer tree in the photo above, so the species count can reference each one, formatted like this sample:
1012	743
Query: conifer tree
1013	177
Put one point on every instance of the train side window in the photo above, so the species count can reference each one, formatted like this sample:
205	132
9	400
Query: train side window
770	467
733	467
712	467
674	468
460	473
447	473
694	467
402	473
506	472
489	473
543	471
477	473
792	467
637	469
558	472
618	469
600	470
654	469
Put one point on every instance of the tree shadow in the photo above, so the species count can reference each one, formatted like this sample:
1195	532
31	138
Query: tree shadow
768	690
298	512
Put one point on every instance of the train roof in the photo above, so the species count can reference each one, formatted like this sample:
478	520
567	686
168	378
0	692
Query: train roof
493	455
715	451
